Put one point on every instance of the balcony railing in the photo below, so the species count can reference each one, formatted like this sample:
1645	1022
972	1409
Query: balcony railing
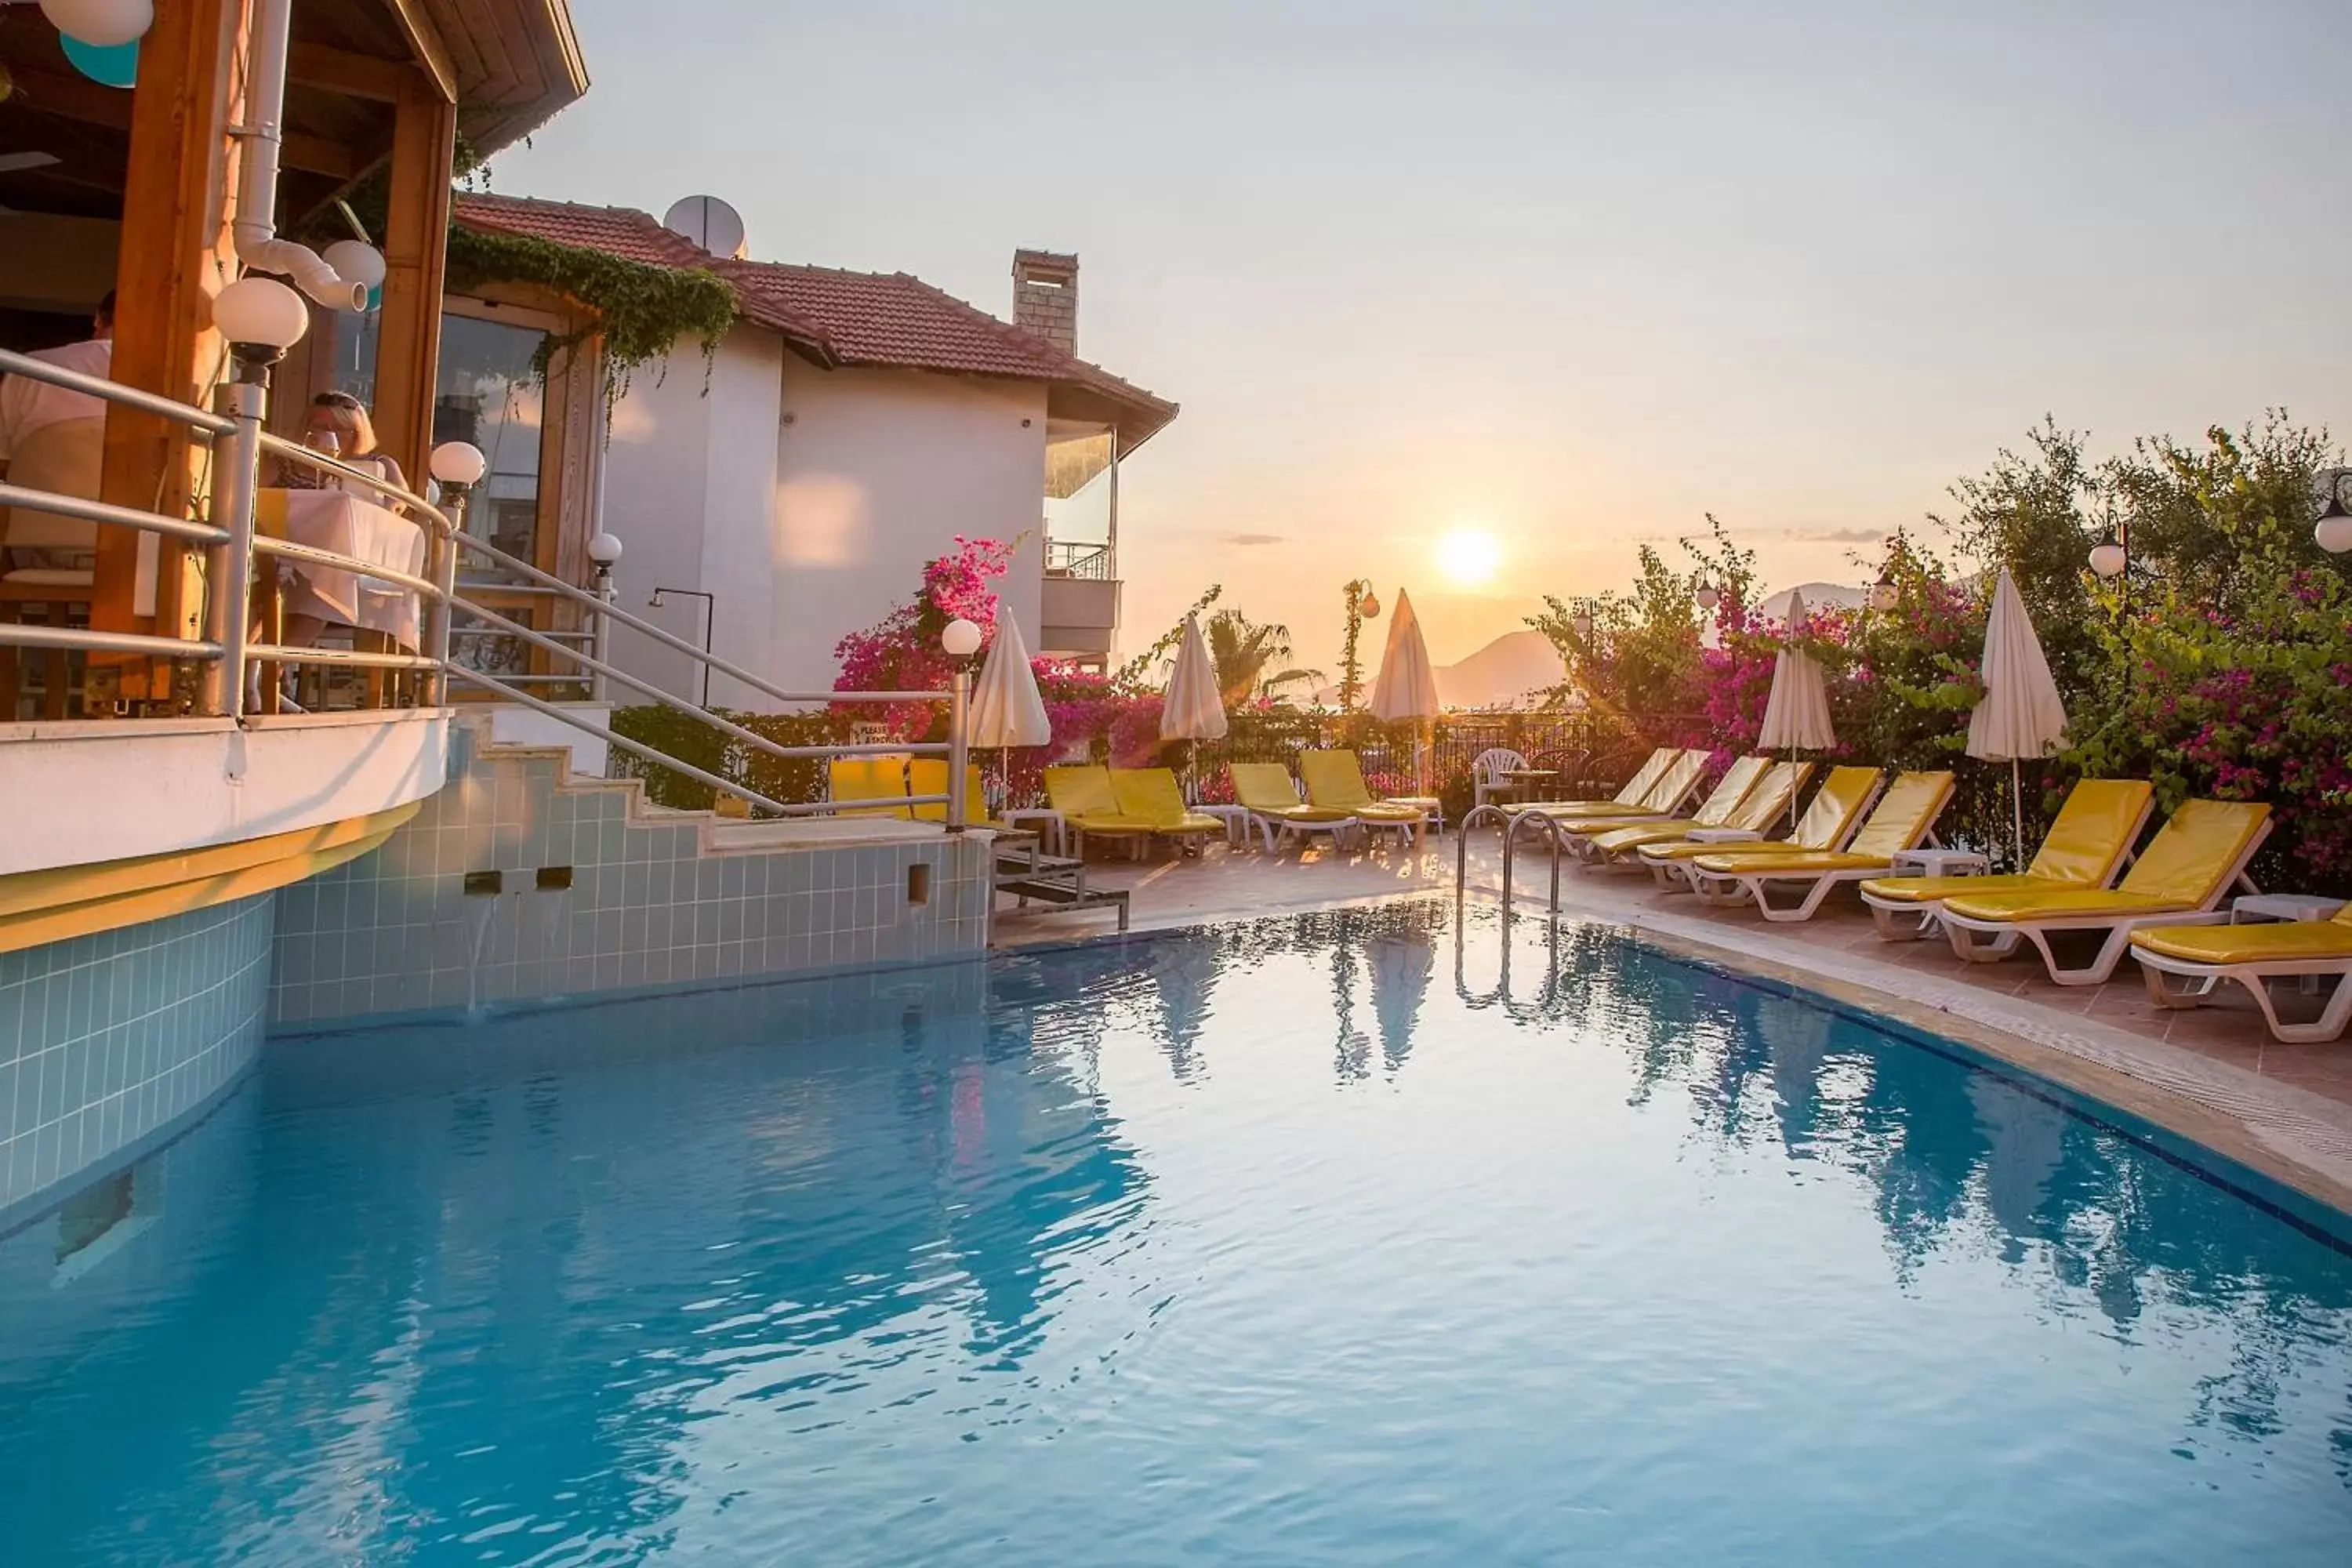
1076	558
226	651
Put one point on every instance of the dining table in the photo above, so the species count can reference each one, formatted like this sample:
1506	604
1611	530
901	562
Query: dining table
348	525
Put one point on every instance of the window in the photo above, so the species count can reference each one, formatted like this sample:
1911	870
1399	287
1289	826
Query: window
489	394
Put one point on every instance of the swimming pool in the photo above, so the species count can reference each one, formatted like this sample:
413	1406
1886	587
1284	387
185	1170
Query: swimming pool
1315	1239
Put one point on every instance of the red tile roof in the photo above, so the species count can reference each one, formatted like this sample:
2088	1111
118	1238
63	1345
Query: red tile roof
836	318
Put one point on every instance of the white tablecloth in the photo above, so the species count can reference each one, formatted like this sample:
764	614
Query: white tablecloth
331	519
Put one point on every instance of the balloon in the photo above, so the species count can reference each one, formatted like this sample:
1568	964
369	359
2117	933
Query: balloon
113	65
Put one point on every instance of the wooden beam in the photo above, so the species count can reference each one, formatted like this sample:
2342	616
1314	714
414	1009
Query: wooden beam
175	203
333	69
73	97
415	243
425	42
317	155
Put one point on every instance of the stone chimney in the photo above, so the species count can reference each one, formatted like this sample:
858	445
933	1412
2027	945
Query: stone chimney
1046	297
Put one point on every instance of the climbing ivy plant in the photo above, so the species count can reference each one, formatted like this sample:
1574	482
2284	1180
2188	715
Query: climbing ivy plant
642	311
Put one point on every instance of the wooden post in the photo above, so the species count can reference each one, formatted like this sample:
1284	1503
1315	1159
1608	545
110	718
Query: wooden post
176	204
415	254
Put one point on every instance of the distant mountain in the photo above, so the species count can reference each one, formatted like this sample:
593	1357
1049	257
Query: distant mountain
1502	674
1816	595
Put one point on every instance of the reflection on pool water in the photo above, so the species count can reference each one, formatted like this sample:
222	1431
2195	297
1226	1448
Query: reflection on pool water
1301	1240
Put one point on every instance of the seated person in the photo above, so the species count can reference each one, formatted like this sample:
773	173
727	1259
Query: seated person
339	427
54	440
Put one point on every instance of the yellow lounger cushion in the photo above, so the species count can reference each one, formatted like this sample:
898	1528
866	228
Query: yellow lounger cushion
1927	890
1903	815
868	778
1681	848
1150	795
2269	942
2064	903
1335	781
1266	789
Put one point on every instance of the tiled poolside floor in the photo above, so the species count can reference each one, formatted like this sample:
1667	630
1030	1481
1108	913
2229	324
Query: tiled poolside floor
2295	1101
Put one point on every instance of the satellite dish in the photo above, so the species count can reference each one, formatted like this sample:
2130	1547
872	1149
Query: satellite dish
709	222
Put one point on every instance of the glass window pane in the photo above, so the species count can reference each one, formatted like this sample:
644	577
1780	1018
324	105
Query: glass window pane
489	394
356	335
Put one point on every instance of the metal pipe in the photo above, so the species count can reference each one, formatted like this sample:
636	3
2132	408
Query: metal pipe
17	497
229	581
20	634
285	653
293	550
562	589
31	369
959	755
255	225
445	577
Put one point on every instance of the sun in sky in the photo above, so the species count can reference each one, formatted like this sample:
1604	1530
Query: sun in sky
1468	556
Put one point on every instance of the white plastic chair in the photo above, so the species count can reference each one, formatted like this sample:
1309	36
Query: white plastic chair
1486	771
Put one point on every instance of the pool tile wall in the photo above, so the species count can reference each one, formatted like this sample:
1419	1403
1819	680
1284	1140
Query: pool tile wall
397	930
109	1040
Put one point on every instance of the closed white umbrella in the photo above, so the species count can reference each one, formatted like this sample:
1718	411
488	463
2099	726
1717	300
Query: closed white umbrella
2021	714
1006	710
1797	714
1407	686
1193	710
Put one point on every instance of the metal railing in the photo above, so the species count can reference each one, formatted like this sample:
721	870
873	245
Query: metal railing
226	652
1069	558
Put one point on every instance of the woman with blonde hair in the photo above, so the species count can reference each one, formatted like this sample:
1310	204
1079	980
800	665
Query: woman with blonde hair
339	427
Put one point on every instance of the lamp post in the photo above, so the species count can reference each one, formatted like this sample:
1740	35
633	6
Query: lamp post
604	553
959	640
709	614
2332	529
2111	559
457	466
261	318
1363	605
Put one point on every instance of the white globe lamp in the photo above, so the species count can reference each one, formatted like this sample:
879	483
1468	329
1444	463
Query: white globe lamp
961	639
458	463
2108	560
260	317
2333	532
1885	595
1708	596
107	24
605	551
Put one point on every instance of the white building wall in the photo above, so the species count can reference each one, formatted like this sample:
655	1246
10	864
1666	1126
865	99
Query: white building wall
808	501
879	470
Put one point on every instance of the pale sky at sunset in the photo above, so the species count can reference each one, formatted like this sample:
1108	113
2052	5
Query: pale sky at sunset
1568	274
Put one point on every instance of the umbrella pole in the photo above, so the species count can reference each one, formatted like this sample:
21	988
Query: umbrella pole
2017	811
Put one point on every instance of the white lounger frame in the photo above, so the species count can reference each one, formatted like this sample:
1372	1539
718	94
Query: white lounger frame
1677	875
1730	889
1989	941
1275	828
2204	979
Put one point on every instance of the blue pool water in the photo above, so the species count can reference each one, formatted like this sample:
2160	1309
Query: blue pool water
1320	1239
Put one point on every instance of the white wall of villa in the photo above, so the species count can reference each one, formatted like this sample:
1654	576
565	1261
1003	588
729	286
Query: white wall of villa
808	501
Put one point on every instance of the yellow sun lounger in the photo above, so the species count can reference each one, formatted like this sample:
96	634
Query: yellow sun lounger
2252	955
1335	781
2086	846
2185	870
1721	804
1763	806
1630	794
1903	818
1149	794
1266	791
868	778
1084	797
929	775
1669	794
1829	821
